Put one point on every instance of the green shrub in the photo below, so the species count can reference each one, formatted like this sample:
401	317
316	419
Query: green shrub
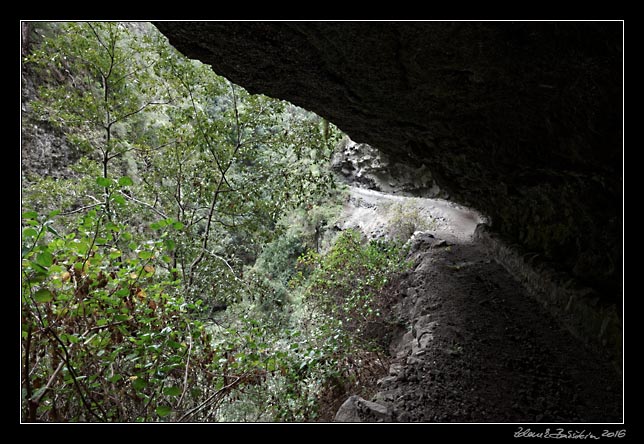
405	218
106	336
347	282
278	259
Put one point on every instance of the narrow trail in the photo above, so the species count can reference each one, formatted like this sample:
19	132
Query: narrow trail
367	209
473	345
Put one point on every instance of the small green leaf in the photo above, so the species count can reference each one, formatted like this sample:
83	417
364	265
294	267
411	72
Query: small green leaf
73	339
43	295
122	292
173	344
125	181
115	378
30	215
56	269
110	226
139	384
45	259
144	255
29	232
172	391
163	410
40	276
178	225
103	181
52	230
119	199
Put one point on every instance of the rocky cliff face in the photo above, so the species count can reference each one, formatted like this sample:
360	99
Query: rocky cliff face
44	150
362	165
521	121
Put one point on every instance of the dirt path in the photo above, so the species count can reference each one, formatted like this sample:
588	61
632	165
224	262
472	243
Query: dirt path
474	346
370	211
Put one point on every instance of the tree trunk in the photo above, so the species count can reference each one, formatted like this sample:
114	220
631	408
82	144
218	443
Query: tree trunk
25	31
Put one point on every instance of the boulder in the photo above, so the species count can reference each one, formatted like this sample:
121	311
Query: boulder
357	409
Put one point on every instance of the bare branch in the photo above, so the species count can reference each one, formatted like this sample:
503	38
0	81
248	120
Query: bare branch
135	71
101	327
78	210
225	262
227	225
37	399
199	125
31	406
144	204
125	116
72	373
185	375
100	41
209	399
94	199
158	147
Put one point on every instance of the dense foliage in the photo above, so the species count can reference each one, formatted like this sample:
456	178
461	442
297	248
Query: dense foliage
183	268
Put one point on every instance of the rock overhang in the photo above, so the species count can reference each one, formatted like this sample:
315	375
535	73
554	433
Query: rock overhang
522	121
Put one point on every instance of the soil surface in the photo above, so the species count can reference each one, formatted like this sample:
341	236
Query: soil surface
473	345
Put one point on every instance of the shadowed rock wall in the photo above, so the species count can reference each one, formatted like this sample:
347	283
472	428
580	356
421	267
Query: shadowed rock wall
522	121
